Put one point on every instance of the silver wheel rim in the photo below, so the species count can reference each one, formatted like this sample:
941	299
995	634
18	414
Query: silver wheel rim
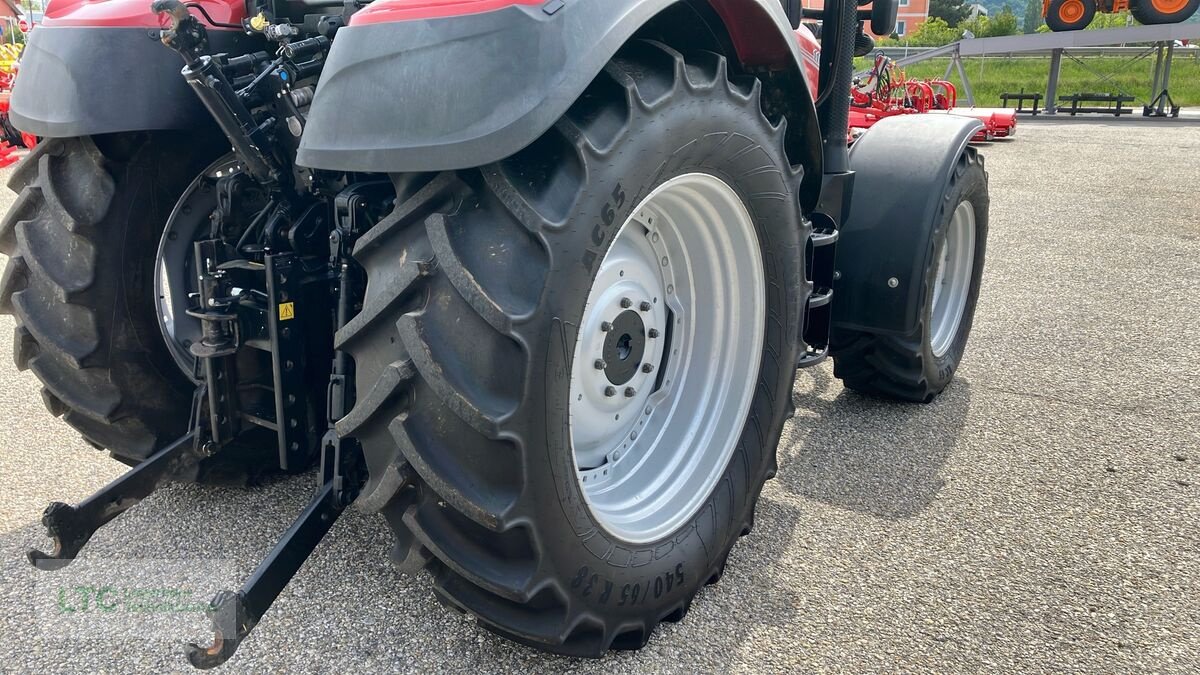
685	269
953	282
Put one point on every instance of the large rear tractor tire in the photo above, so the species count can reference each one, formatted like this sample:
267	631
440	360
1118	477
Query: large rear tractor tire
80	241
918	366
574	365
1151	12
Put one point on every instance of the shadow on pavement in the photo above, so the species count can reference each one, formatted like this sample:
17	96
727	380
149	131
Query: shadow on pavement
882	458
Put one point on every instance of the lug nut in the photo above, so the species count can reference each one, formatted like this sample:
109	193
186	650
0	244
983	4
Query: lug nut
653	333
630	392
610	391
626	303
600	364
646	367
605	326
644	306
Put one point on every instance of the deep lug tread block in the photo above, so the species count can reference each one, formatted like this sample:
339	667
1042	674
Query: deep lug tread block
389	290
24	208
507	572
461	474
513	200
25	174
25	348
413	210
391	382
53	403
483	404
67	331
14	280
86	391
79	189
65	260
538	622
462	279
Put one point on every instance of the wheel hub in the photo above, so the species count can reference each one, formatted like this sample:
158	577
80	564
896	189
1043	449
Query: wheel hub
624	347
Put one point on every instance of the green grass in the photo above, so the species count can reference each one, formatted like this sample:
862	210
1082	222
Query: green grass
991	76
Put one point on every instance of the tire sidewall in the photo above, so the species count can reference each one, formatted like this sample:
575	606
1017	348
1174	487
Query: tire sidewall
661	143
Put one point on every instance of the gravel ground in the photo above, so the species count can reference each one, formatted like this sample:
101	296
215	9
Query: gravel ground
1041	515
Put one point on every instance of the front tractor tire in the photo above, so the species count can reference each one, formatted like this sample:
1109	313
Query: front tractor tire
80	241
634	274
920	365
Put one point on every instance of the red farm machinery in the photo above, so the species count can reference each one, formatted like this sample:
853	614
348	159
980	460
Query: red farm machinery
530	279
885	91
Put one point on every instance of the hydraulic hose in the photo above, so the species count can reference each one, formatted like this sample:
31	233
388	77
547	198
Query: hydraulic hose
839	31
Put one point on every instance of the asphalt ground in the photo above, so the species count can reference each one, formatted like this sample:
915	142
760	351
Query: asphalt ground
1042	515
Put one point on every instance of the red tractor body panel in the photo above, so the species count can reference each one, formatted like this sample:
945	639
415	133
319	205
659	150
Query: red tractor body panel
746	22
413	10
810	52
132	13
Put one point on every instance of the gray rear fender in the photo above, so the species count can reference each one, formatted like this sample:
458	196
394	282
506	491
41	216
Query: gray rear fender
463	91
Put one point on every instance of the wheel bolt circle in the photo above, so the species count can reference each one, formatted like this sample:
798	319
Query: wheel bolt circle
610	391
626	303
605	326
653	333
644	306
630	392
646	367
600	364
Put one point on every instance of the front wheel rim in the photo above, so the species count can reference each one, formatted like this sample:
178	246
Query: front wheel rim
952	283
667	357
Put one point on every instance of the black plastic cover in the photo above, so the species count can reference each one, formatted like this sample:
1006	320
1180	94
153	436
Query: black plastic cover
82	80
462	91
902	169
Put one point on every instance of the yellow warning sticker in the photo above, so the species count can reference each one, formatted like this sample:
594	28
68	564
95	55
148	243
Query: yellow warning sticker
287	311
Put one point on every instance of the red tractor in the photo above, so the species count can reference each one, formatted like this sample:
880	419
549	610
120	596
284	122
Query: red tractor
531	279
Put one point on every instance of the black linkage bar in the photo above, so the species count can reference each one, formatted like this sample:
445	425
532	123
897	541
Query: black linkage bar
72	526
235	613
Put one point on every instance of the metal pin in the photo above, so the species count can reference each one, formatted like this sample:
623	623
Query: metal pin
646	367
610	391
644	306
626	303
600	364
630	392
605	326
653	333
